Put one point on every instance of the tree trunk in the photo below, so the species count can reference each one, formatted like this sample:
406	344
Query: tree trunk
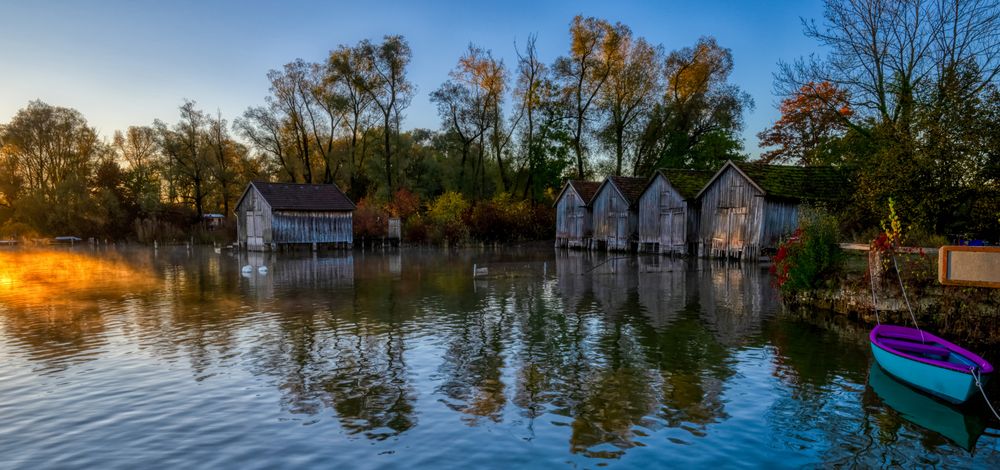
388	153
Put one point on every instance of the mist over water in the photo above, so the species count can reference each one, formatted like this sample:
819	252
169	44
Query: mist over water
130	357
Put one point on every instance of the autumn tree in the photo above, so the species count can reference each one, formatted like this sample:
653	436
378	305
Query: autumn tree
919	77
887	53
529	93
225	156
697	121
188	155
137	149
345	75
48	155
633	82
263	128
384	66
812	122
583	73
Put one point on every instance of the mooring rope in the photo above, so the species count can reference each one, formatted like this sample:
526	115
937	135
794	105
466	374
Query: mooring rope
979	384
907	299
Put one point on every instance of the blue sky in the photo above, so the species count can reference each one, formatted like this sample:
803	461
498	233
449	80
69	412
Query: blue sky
127	63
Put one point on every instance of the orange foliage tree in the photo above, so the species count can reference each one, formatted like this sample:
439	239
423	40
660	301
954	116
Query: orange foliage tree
811	124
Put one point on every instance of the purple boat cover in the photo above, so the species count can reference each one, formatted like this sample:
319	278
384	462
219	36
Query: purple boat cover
892	337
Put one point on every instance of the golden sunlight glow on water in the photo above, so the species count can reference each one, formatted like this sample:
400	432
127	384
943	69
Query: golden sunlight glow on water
49	278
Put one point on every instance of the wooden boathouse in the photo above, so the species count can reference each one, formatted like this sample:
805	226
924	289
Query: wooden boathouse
668	211
270	216
747	208
615	209
574	226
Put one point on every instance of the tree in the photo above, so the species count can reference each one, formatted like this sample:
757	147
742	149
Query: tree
633	81
263	128
225	153
290	100
345	74
885	53
811	124
919	77
188	155
697	122
583	73
386	84
48	154
528	91
137	149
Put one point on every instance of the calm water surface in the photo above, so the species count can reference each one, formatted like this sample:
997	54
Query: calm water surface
129	358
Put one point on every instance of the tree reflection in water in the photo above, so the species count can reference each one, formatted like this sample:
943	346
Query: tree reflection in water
601	357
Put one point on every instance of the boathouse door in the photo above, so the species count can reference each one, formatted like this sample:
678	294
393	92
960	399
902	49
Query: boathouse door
255	230
671	229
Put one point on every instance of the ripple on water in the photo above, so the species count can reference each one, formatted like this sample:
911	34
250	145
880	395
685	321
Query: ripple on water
401	360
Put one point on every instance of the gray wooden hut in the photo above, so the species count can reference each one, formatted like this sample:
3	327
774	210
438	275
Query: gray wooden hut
274	215
615	209
573	217
747	208
668	210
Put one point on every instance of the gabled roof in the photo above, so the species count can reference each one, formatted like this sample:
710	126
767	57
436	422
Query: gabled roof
303	197
585	189
800	183
629	188
688	183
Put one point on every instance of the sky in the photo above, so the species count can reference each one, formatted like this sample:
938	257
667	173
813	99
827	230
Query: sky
124	63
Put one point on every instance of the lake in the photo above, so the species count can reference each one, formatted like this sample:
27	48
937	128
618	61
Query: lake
123	358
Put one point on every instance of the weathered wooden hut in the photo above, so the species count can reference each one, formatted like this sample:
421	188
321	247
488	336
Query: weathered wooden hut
274	215
747	208
615	209
668	210
573	217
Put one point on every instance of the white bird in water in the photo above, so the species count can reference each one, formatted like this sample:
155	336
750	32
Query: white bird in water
247	269
262	269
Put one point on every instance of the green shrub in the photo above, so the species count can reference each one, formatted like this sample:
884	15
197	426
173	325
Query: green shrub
447	213
810	256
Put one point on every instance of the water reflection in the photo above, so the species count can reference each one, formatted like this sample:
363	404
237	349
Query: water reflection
577	356
958	425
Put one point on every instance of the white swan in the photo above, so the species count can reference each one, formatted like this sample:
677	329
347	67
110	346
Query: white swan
262	269
247	269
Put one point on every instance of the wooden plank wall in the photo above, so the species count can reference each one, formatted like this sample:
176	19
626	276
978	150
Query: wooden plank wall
313	227
573	220
615	223
660	201
253	234
781	218
732	214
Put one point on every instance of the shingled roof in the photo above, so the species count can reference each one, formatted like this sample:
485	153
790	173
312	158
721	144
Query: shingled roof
798	183
631	188
586	189
817	183
687	182
304	197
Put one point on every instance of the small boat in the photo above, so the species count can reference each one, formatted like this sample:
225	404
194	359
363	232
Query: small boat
956	424
928	362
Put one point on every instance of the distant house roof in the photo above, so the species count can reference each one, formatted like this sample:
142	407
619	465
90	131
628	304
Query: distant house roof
586	190
808	183
631	188
304	197
687	182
